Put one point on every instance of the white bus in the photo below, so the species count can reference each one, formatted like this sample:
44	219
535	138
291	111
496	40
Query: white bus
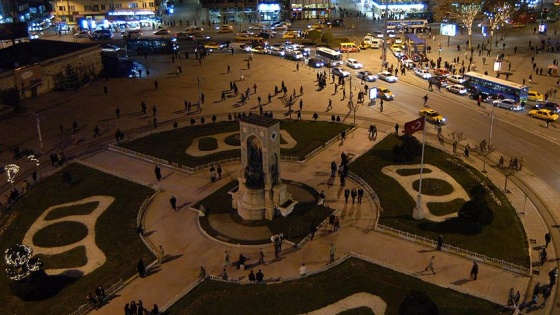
408	26
330	57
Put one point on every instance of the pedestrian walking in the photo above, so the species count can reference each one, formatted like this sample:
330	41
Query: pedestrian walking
397	128
425	98
173	202
141	268
156	84
213	173
431	265
354	194
474	270
346	193
439	242
227	255
360	195
261	257
157	170
219	170
342	136
543	256
251	277
303	270
332	252
260	276
228	69
333	169
96	131
547	239
161	255
118	112
552	276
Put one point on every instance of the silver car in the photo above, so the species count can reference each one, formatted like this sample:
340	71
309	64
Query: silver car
508	104
387	76
366	76
339	72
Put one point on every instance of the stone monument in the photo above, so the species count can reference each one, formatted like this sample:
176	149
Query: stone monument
261	190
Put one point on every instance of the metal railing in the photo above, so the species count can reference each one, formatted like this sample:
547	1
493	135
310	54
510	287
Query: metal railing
110	292
500	263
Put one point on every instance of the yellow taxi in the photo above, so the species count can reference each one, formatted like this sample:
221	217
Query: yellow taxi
432	116
535	96
385	94
545	114
395	46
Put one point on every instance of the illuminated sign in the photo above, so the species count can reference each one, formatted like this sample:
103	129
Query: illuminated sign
448	29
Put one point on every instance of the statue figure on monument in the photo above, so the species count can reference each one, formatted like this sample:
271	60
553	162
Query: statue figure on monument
254	174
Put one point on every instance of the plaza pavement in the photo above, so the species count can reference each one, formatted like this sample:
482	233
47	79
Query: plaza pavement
179	234
188	248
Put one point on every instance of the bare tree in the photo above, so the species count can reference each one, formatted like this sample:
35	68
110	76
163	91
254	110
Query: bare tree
456	138
498	14
466	13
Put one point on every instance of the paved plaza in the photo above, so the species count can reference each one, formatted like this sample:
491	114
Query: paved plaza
179	232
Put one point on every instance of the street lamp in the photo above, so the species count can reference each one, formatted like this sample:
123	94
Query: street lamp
351	105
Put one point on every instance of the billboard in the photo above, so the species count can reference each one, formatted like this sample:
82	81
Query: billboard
10	31
448	29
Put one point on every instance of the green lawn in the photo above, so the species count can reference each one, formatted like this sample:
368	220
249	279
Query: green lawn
118	222
315	292
171	145
503	239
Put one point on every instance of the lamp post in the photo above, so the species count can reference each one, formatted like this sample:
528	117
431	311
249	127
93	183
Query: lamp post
351	105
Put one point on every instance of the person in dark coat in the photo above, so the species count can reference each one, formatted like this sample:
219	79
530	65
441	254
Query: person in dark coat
474	270
439	242
157	170
141	268
354	193
173	202
346	195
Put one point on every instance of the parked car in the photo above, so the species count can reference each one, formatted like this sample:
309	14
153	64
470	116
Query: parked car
423	73
457	89
366	76
339	72
315	63
353	63
432	116
508	104
543	114
459	79
387	76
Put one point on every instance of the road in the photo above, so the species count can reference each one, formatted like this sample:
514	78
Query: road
514	134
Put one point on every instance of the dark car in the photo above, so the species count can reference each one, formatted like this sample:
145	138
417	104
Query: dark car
485	97
439	80
315	63
266	35
553	107
338	22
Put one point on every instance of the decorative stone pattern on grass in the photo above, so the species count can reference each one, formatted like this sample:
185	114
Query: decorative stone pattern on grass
437	173
95	256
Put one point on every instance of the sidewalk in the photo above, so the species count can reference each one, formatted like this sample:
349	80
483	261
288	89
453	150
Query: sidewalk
189	248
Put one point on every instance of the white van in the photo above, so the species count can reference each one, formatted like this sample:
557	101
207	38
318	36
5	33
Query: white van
376	43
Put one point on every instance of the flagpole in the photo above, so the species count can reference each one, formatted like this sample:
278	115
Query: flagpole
418	213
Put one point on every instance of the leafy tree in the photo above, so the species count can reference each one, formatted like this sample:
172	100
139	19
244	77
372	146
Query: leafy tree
409	150
476	211
418	303
327	37
314	35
